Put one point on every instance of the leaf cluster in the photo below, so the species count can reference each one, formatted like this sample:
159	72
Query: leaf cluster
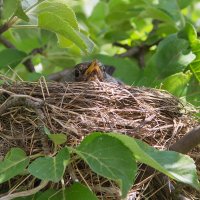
111	155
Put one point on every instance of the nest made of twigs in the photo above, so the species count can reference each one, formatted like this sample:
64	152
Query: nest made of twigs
77	109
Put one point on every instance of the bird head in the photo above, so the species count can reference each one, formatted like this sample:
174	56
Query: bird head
90	71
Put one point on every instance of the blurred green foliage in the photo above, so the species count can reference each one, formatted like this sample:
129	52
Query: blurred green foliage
151	43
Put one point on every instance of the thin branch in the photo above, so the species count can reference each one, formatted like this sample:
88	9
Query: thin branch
139	51
130	52
7	25
187	142
6	43
4	28
25	193
25	26
125	46
27	63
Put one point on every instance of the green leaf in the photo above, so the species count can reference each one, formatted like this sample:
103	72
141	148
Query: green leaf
116	35
61	9
108	157
13	164
11	57
121	11
52	195
21	14
175	165
88	42
54	23
96	16
171	7
64	42
190	34
172	56
155	13
195	67
47	131
184	3
193	93
177	83
79	192
31	76
58	17
47	194
76	191
165	10
50	168
10	7
58	138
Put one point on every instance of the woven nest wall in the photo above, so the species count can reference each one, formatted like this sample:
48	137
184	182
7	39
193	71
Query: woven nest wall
78	109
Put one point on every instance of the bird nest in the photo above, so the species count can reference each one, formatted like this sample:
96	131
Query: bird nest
77	109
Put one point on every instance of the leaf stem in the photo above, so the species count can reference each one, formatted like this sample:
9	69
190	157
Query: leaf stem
24	26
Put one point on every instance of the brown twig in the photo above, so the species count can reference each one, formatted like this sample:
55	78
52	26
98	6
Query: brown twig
4	28
27	63
125	46
6	43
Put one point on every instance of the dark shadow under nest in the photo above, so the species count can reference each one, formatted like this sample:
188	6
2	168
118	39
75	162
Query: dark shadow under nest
78	109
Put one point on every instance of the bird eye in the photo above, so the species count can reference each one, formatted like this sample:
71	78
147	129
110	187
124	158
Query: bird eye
77	73
103	68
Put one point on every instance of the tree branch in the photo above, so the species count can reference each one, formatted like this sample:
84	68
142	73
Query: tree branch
6	43
187	142
27	63
139	51
4	28
125	46
130	52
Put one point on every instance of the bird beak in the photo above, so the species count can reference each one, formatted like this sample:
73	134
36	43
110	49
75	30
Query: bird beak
93	71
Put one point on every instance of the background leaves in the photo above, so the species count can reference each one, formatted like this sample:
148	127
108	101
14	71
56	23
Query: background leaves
148	42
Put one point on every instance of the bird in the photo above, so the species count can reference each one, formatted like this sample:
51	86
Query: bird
88	71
